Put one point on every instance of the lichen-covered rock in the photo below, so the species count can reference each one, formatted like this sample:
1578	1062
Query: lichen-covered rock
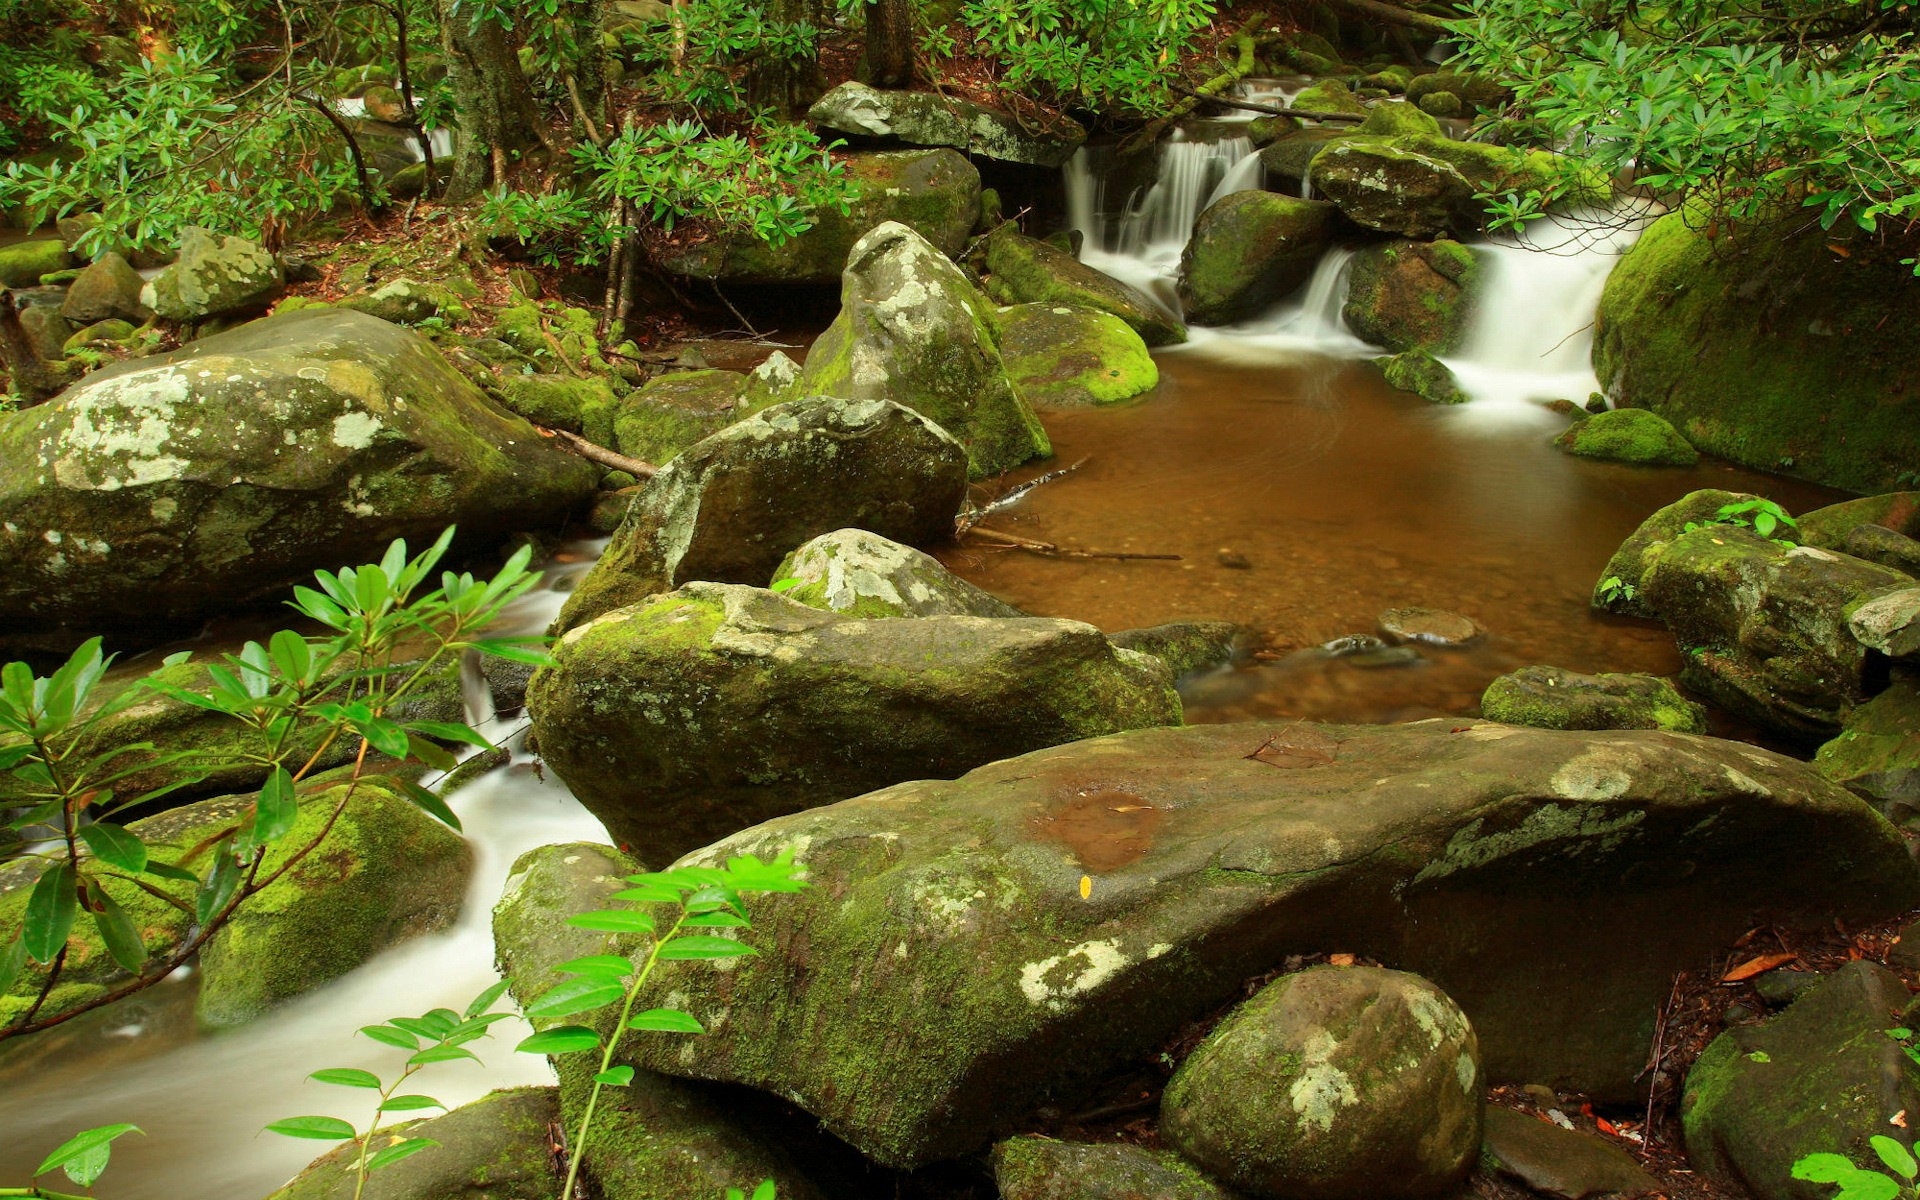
1413	295
106	290
929	119
1822	1077
23	263
496	1148
583	406
969	950
1563	1164
914	330
861	574
1040	1168
1023	270
1629	563
1889	623
1185	646
409	302
161	490
691	715
1059	356
675	410
1419	372
728	509
1552	698
1394	189
936	193
1628	435
214	276
1828	528
1878	751
1334	1083
1248	250
1769	350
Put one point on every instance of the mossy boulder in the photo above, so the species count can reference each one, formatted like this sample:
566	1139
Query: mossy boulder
973	949
675	410
47	331
1878	751
1059	356
1628	566
1628	435
107	289
929	119
1040	1168
1186	646
1334	1083
1393	118
1248	250
1828	528
1441	104
1878	544
1413	295
1552	698
410	302
214	275
728	509
936	193
1769	349
1475	92
23	263
109	331
691	715
1822	1077
583	406
1889	623
496	1148
861	574
913	329
1394	189
1419	372
1289	158
1329	96
1023	270
162	490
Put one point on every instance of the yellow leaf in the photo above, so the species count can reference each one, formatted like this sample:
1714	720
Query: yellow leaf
1086	886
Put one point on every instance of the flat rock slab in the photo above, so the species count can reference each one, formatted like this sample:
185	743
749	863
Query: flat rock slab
971	948
1435	626
1562	1163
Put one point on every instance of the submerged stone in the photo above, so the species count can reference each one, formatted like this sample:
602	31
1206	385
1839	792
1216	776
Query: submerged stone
1435	626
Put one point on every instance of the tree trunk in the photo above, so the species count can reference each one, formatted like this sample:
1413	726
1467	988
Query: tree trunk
890	42
495	113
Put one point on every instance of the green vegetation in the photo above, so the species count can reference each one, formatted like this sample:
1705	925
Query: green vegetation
1857	1183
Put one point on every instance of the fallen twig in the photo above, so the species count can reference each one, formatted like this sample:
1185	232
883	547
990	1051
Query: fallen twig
1010	497
1050	550
593	452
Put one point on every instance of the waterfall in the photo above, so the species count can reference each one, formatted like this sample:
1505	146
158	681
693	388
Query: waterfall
1190	175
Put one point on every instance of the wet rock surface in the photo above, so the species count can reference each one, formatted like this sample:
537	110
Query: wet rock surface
1551	698
1562	1163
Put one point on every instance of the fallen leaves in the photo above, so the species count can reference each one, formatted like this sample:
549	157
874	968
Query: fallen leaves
1758	965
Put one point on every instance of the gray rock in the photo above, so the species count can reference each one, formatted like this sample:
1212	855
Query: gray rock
1434	626
1396	190
1889	623
928	119
106	290
1040	1168
861	574
214	276
1562	1163
1877	543
47	331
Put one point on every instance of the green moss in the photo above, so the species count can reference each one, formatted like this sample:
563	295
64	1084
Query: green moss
1393	118
676	410
1328	95
1628	435
23	263
1424	375
1413	295
1549	698
1065	357
1023	270
1249	249
560	401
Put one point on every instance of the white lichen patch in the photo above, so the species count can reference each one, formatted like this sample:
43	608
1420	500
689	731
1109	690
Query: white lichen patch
355	430
1053	982
1464	1072
1599	774
1746	783
1322	1089
117	432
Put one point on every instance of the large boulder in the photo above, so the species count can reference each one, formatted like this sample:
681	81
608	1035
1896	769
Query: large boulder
1023	270
1618	590
914	330
1040	1168
1334	1083
1248	250
1770	350
861	574
730	508
1821	1078
936	193
1878	751
1059	356
1552	698
695	714
1413	295
496	1148
1829	527
23	263
930	119
1628	435
1397	190
214	276
161	490
970	949
675	410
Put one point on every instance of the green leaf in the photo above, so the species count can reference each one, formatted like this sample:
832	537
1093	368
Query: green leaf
320	1129
613	920
562	1039
1823	1168
615	1076
218	887
430	804
410	1104
484	1000
581	994
50	912
391	1036
598	964
385	736
116	846
430	753
276	808
665	1020
117	929
1898	1158
84	1143
434	1054
514	650
450	731
13	960
394	1153
169	871
1867	1185
682	948
347	1077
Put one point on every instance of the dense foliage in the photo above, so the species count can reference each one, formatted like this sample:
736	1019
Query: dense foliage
1102	55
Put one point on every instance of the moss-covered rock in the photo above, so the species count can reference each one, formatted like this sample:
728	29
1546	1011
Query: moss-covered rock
1827	528
1329	96
1248	250
936	193
1822	1077
929	119
1878	751
1040	1168
1441	104
1552	698
1023	270
47	331
496	1148
1413	295
1334	1083
1878	544
913	329
675	410
1889	623
110	331
1186	646
1392	118
107	289
692	715
1475	92
1770	350
861	574
731	507
583	406
1289	159
1619	586
1419	372
1628	435
161	490
1392	188
971	950
214	276
23	263
409	302
1059	356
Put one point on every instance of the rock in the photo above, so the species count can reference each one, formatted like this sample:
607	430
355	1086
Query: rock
1781	988
1185	646
1063	357
1425	376
1327	95
1413	295
1889	623
1765	627
927	119
1550	698
23	263
1772	351
1289	158
1829	527
1630	562
1534	875
1025	271
861	574
1473	91
1392	118
1396	190
695	714
161	490
1334	1083
106	290
47	331
1878	751
1265	131
731	507
408	302
1628	435
936	193
583	406
1878	544
1441	104
496	1147
1248	250
914	330
97	333
1432	625
1822	1077
385	104
1562	1163
214	276
1039	1168
675	410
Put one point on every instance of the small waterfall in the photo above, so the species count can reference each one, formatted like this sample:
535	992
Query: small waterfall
1191	173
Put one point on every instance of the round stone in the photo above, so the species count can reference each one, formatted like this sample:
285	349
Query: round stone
1434	625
